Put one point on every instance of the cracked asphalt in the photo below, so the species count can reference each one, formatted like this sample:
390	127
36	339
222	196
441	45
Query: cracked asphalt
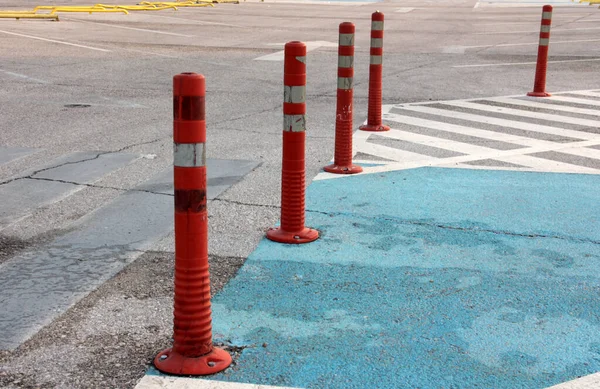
108	337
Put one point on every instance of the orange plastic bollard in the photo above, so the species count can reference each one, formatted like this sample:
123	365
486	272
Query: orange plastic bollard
374	122
539	86
192	352
342	162
293	180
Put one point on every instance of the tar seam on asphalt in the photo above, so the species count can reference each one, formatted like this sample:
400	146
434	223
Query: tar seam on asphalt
80	161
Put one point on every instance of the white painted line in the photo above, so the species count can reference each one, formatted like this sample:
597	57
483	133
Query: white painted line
469	131
461	49
591	381
391	153
164	382
55	41
537	104
475	157
446	144
523	113
536	31
588	93
500	23
576	100
279	55
404	10
541	164
19	75
500	122
524	63
196	21
134	29
583	152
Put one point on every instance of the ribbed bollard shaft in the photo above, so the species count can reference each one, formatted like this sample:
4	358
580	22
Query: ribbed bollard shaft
192	352
342	161
541	68
374	120
293	174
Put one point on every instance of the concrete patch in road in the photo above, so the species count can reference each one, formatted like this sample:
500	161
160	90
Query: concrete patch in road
40	284
55	182
9	154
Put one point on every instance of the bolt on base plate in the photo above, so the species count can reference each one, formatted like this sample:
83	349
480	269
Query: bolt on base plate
352	169
171	362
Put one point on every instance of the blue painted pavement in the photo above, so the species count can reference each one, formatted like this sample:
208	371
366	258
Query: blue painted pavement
425	278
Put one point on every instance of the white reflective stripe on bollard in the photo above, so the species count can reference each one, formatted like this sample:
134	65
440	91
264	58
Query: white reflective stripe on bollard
294	94
294	123
345	83
346	39
377	25
377	42
376	60
345	61
189	154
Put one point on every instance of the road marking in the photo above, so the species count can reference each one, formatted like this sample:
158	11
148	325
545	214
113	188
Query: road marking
494	148
198	21
23	76
165	382
540	164
278	56
55	41
462	49
587	93
574	100
469	131
499	122
588	382
554	107
134	29
524	113
524	63
404	10
535	31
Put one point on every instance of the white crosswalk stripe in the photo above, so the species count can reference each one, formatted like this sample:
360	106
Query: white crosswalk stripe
557	134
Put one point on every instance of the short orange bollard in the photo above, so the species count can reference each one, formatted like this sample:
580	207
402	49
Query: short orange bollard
293	174
342	162
374	122
539	85
192	352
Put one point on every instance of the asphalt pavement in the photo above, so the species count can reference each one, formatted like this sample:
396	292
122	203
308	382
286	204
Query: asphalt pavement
477	194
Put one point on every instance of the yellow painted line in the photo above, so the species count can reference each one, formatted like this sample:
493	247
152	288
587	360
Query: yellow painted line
54	41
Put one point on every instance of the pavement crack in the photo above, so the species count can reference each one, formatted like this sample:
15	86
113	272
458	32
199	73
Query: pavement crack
456	228
98	155
247	204
278	106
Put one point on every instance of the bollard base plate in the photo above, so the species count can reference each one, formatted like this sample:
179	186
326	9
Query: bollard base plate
539	94
336	169
304	236
170	362
374	127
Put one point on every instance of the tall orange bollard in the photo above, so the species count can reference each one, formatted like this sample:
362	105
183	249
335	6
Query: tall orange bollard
539	86
192	352
374	122
342	162
293	181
